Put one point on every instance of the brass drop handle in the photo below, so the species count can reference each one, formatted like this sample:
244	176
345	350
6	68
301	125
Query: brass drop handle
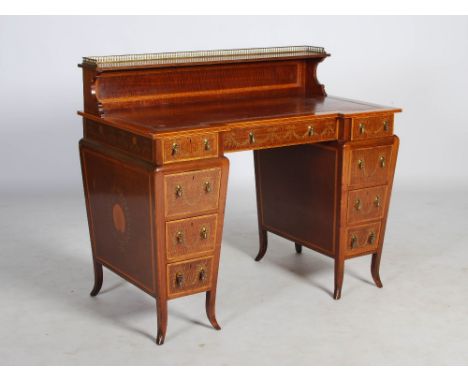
362	128
175	149
178	191
371	238
377	201
179	280
206	144
385	125
310	130
251	137
204	233
179	237
354	241
202	275
358	204
207	187
360	164
382	161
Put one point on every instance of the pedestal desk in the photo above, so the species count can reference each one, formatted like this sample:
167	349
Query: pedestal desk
156	128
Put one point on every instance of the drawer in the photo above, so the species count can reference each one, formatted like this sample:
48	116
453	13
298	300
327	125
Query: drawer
189	277
363	239
190	236
191	192
370	166
366	204
187	147
275	135
372	127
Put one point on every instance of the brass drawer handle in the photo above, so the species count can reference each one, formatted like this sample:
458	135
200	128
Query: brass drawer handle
310	130
178	191
202	276
251	137
207	187
362	128
382	161
371	239
385	125
377	201
206	144
360	164
357	204
179	237
175	149
354	241
204	233
179	280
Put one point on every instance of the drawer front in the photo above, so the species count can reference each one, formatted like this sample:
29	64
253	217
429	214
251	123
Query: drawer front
372	127
191	192
190	236
363	238
187	147
189	277
366	204
370	166
275	135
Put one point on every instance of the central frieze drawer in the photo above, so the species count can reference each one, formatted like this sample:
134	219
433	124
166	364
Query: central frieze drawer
189	277
190	236
275	135
191	192
366	204
370	166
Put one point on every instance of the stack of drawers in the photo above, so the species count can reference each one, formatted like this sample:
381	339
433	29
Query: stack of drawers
191	213
368	183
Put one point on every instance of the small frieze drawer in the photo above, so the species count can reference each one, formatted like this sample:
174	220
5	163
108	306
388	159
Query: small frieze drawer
189	277
366	204
191	192
362	239
370	166
372	127
275	135
190	236
188	147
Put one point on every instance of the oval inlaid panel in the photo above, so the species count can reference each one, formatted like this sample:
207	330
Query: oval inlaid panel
118	217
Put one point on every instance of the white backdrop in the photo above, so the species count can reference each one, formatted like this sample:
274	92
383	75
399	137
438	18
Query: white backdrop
417	63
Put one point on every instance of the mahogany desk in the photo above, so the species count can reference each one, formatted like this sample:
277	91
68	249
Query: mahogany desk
156	128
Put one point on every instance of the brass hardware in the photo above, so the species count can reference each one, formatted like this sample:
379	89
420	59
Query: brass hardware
175	148
179	237
362	128
178	191
371	239
382	161
360	163
251	137
179	280
377	202
385	125
353	241
206	144
310	130
204	233
207	187
202	275
357	204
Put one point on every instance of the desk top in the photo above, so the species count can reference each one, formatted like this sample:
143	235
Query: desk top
226	114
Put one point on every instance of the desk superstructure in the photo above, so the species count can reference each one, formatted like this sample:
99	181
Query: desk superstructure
156	127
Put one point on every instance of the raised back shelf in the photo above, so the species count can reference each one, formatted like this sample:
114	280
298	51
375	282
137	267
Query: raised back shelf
115	83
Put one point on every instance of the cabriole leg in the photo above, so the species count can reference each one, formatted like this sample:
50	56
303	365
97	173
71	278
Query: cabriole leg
161	310
375	267
98	277
210	308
